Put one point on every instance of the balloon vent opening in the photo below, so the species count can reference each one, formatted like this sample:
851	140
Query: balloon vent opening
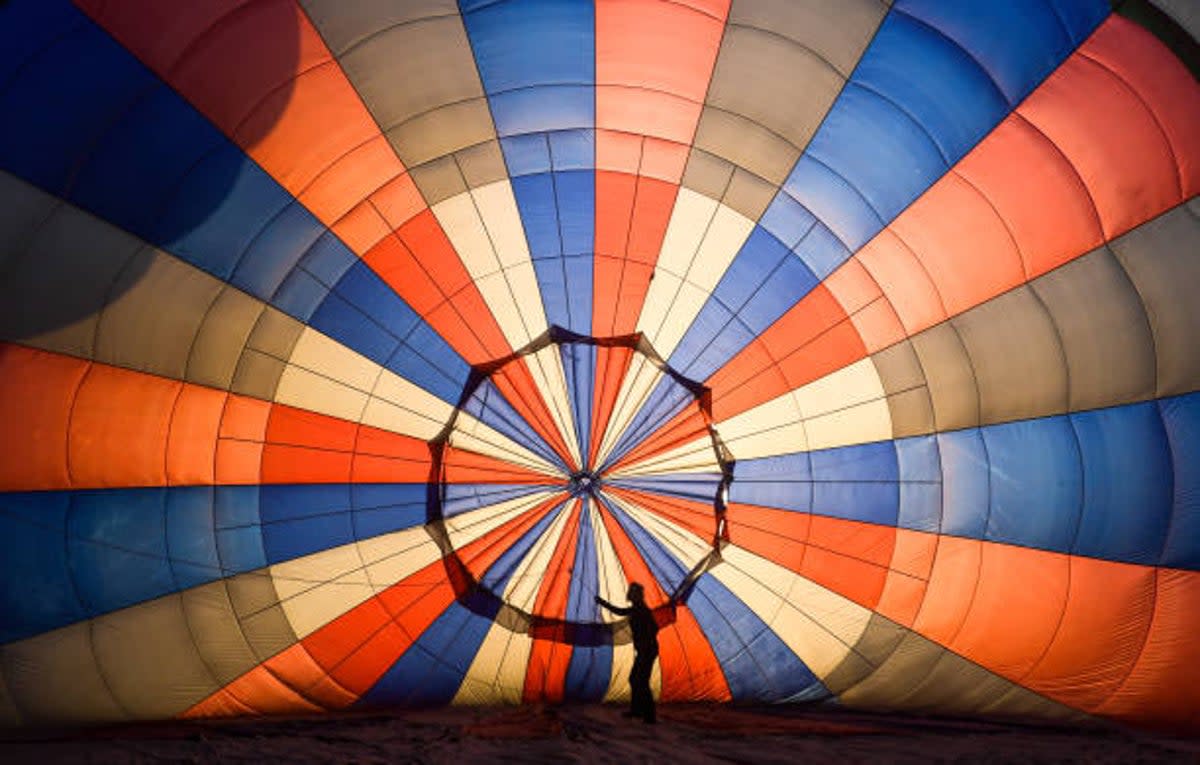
558	473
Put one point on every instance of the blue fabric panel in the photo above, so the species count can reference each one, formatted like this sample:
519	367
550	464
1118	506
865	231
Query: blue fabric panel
465	497
191	536
938	85
239	536
579	364
859	483
300	294
1181	419
328	259
920	469
276	250
840	207
117	547
965	484
576	192
573	150
783	481
63	106
585	576
366	292
236	200
712	318
526	154
498	575
37	593
589	673
343	321
539	213
546	108
726	343
758	665
1126	465
430	672
787	220
1080	18
1018	42
488	405
1036	488
136	166
790	279
28	27
882	152
427	360
285	540
384	508
821	251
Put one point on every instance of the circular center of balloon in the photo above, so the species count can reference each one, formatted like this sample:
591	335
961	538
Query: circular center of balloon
569	470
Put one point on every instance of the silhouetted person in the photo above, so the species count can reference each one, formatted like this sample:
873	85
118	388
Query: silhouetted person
645	644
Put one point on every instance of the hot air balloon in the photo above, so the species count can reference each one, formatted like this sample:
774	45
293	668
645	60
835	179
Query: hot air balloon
351	349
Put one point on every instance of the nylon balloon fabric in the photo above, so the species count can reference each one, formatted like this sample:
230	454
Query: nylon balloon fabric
349	350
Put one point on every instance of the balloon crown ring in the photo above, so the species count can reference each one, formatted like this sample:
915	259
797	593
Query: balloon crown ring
591	473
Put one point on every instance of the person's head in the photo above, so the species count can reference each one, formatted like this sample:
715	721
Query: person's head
636	593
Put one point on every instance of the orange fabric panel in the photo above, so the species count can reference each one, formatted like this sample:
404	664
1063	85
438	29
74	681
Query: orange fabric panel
192	437
35	415
625	108
552	596
617	151
648	227
611	366
468	467
664	161
398	200
1162	691
346	183
1040	197
690	670
302	673
220	704
297	427
546	673
300	464
686	427
363	230
120	412
951	588
367	663
1018	602
479	555
1112	140
778	535
1107	599
257	692
950	219
550	655
243	430
901	598
1161	82
615	194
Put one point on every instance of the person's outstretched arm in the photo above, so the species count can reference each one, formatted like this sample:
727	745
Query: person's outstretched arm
618	610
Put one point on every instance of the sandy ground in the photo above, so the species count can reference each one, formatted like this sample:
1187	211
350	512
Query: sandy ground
594	733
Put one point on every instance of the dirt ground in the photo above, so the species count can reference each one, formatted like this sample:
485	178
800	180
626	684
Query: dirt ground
594	734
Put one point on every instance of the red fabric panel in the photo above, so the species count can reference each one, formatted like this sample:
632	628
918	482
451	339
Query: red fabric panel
611	366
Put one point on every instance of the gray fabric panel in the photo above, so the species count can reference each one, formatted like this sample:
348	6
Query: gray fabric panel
149	658
222	337
748	194
218	634
23	209
411	70
54	678
442	131
1105	333
939	680
873	647
156	311
345	23
262	619
707	174
745	143
1016	355
263	361
52	291
949	377
439	180
904	382
1161	259
837	32
774	81
482	164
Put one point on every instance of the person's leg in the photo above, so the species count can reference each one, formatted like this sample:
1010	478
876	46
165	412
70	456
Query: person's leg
648	712
639	686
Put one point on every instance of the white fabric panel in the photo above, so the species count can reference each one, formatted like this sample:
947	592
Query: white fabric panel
497	674
681	542
818	625
546	368
695	457
485	228
688	269
846	407
775	427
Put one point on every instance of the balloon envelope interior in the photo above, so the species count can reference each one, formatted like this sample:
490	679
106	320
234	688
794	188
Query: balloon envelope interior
351	350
